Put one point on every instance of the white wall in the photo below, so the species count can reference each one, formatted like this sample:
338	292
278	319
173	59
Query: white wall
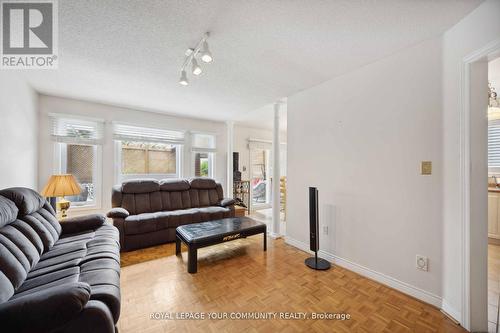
360	138
18	136
475	31
49	104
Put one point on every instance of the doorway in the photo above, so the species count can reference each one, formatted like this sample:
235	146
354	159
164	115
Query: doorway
479	309
493	194
260	184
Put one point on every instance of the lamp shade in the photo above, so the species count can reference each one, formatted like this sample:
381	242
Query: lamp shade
61	185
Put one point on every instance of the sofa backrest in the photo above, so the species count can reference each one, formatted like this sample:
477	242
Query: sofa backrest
149	195
28	228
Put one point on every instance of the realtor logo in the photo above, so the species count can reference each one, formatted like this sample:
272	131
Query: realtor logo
29	34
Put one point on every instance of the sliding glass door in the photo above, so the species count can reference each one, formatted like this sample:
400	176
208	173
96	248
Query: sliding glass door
260	177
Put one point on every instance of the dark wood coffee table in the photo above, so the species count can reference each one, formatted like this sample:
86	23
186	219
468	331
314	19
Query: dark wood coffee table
204	234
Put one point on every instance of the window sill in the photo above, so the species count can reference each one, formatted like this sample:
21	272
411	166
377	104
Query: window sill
148	176
84	208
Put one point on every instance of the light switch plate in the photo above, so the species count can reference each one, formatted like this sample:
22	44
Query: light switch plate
426	168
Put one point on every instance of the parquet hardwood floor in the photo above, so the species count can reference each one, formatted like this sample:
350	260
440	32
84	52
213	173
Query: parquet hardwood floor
238	276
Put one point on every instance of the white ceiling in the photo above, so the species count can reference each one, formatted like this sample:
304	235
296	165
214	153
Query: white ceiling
128	53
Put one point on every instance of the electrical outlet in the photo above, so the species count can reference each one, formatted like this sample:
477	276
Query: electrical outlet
325	229
422	263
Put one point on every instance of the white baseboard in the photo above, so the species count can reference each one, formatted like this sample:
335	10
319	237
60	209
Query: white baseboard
404	287
275	235
451	311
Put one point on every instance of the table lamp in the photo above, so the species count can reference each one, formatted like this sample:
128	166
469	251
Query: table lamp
60	186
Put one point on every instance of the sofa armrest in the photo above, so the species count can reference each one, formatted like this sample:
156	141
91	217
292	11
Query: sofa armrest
46	310
118	212
82	223
227	202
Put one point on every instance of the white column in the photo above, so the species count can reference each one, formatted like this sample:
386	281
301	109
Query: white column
186	165
276	172
229	167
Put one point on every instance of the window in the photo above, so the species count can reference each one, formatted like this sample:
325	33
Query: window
203	150
78	152
203	165
80	161
147	152
494	145
142	158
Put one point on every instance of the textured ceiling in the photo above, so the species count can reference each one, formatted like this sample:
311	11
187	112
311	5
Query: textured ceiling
128	53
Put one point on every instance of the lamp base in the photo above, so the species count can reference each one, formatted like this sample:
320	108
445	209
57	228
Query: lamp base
63	206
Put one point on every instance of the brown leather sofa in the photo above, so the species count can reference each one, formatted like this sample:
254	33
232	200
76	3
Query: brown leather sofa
146	212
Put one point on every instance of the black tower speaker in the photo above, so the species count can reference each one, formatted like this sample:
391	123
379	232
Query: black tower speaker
314	262
236	167
236	161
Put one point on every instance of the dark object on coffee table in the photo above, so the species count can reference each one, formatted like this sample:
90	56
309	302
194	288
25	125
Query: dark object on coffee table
204	234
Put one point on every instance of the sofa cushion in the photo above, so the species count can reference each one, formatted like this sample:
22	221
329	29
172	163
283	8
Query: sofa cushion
46	311
138	203
118	212
140	223
175	218
203	183
204	197
8	211
31	253
91	256
173	200
81	223
46	227
213	213
23	241
174	185
150	222
140	186
26	200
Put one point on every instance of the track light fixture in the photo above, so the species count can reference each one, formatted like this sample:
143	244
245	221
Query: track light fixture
202	51
196	68
183	80
206	56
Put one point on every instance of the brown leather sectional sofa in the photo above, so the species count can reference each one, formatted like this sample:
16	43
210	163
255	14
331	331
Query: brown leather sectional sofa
146	212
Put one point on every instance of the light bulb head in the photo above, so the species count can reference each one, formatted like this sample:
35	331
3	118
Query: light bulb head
196	68
206	55
183	80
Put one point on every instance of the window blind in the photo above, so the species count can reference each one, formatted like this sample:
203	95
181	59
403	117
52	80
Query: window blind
203	143
76	130
259	144
494	143
125	132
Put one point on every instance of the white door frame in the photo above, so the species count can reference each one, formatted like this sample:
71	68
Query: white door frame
465	179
